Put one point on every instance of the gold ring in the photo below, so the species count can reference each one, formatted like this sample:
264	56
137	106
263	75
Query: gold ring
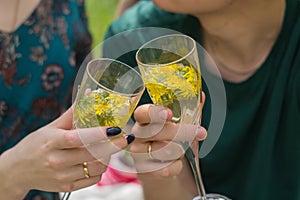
85	170
149	151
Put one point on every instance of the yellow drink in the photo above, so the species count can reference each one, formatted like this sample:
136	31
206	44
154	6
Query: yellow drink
176	86
101	108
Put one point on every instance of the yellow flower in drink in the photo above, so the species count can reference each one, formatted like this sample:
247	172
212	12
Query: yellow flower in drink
174	82
100	108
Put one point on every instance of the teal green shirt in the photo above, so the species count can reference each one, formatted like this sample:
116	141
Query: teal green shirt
258	153
38	65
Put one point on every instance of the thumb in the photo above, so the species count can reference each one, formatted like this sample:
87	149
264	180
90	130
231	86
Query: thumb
203	97
65	121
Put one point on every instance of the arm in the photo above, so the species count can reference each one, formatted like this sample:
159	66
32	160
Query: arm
10	187
179	187
14	12
165	172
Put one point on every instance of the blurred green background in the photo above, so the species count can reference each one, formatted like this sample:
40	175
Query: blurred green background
100	14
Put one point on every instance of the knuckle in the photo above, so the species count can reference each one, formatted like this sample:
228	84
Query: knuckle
173	169
133	149
70	139
135	129
53	163
165	172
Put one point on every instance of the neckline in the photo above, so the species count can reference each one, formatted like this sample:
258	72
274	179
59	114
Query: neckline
289	14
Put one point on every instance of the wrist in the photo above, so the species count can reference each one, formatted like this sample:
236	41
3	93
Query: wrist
181	187
10	185
173	189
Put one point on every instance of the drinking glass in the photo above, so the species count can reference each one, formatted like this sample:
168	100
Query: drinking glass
170	68
108	94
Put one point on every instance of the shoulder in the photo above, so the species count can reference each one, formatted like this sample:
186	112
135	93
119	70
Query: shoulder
145	14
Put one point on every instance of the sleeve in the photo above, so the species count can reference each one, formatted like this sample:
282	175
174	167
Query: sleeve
145	14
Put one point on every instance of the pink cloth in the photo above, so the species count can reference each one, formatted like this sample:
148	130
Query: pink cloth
112	176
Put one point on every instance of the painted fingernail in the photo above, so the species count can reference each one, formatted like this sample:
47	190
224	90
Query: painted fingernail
200	133
129	138
113	131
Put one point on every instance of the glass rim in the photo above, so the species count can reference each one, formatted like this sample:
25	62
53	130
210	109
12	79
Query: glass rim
141	89
211	195
172	62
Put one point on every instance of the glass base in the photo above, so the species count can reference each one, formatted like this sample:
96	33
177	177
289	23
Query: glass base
211	197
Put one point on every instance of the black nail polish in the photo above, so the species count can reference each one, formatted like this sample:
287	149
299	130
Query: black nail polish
130	138
113	131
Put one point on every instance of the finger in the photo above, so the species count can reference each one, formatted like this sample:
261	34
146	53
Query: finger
65	121
150	113
94	168
80	137
85	182
102	149
165	170
169	132
66	157
203	97
76	172
79	184
159	151
93	151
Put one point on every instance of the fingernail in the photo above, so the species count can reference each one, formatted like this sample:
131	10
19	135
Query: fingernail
200	133
129	138
163	114
113	131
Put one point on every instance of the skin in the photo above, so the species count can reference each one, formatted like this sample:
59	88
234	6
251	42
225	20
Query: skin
241	34
14	12
45	160
192	6
169	169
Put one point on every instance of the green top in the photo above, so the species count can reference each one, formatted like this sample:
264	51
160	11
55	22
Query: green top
258	154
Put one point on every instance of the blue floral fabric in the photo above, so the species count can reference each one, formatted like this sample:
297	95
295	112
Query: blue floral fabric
38	64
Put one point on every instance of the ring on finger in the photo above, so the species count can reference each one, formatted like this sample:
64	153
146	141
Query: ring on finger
85	170
149	150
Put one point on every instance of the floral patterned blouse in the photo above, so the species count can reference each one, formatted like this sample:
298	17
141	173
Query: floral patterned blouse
38	64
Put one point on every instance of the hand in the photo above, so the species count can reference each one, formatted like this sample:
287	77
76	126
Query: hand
51	158
155	132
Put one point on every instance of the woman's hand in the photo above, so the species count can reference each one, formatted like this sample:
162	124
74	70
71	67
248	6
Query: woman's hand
51	158
158	153
158	149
